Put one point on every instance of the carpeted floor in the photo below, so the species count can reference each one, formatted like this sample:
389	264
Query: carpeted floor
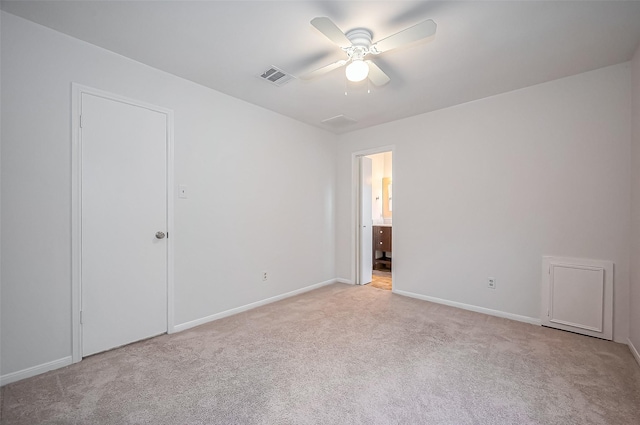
343	354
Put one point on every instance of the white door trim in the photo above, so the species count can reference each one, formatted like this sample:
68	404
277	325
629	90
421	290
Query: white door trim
76	209
355	207
365	265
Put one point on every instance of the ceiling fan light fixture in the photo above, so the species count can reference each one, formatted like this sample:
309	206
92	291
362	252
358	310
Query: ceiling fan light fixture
357	70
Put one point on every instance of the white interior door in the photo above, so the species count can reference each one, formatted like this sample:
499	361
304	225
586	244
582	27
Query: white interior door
124	204
366	222
577	296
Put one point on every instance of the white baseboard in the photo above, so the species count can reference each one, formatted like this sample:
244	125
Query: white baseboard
226	313
34	370
341	280
634	351
66	361
498	313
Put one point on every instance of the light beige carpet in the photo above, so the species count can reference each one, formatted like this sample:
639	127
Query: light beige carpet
343	355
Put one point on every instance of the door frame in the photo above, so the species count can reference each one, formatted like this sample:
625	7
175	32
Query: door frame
362	256
77	90
355	207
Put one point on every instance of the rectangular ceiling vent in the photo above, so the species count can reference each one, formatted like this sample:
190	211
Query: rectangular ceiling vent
276	76
339	121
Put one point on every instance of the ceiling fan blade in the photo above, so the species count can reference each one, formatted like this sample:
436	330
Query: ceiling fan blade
323	70
331	31
417	32
376	75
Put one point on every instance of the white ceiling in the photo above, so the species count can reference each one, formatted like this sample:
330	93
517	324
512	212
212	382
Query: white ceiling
480	48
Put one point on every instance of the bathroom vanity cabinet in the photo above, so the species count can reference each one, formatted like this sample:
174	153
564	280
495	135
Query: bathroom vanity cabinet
381	246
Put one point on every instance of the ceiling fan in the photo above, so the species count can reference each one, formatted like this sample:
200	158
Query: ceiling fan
357	45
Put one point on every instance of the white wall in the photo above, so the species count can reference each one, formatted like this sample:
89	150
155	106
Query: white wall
381	166
261	190
634	299
388	164
388	173
489	187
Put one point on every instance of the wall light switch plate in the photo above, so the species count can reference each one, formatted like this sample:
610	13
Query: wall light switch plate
182	191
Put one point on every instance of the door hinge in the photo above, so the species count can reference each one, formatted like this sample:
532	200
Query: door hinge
80	121
81	318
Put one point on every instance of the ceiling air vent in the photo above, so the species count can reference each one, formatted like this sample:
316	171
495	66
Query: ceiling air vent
276	76
339	121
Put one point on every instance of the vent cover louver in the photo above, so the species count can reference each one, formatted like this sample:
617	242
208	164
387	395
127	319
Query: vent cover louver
339	121
276	76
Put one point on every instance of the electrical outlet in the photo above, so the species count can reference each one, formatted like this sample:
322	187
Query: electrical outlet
265	276
492	283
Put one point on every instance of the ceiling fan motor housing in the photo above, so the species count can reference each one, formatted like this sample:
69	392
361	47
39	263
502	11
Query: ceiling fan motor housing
360	39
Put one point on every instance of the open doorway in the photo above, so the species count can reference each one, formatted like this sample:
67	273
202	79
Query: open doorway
376	220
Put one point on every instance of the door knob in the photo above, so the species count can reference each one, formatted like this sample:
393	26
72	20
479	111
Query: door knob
160	235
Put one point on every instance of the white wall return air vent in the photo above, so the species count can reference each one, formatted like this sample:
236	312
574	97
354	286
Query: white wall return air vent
276	76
